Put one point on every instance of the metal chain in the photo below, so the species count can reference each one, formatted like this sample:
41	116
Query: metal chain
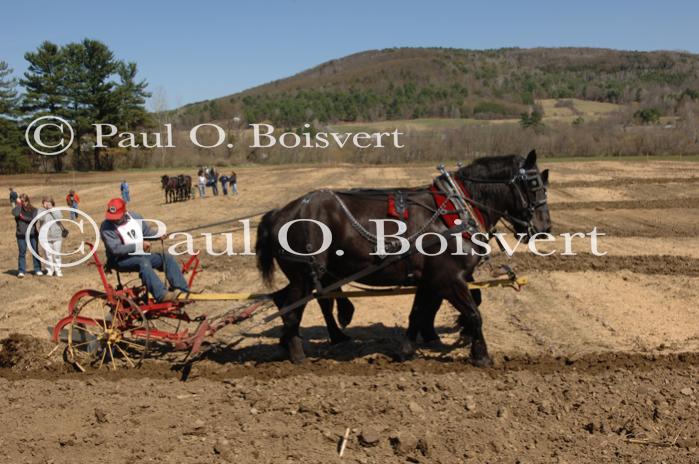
373	238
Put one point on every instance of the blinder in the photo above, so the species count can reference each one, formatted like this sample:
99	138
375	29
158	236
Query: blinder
528	183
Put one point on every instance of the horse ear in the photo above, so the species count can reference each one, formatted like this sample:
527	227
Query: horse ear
531	159
545	177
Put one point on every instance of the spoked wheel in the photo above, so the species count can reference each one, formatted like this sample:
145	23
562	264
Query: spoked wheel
103	334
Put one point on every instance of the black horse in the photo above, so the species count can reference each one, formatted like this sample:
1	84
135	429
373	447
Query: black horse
184	187
502	187
169	185
177	188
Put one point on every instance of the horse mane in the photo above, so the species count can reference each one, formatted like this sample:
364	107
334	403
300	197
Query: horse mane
496	168
491	167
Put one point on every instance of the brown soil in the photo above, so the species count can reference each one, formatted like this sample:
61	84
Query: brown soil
647	264
596	359
628	204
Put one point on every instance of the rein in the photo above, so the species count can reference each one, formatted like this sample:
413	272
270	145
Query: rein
525	183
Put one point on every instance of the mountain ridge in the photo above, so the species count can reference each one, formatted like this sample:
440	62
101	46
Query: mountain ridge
404	83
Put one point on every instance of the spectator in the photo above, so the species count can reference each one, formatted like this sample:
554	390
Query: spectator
13	198
51	236
233	179
24	213
202	184
224	183
125	191
73	201
214	181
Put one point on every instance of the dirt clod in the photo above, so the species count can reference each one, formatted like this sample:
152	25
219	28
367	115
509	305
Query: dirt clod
369	437
101	416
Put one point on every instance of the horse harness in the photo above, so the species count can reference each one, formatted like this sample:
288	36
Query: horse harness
526	185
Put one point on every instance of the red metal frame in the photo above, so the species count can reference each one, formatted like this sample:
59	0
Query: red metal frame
150	308
123	298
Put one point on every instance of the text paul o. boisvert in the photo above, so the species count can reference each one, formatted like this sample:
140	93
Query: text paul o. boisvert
263	136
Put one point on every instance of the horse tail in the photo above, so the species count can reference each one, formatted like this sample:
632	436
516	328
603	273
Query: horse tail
265	246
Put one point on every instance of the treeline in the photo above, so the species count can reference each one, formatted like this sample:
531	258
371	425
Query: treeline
408	83
83	83
406	101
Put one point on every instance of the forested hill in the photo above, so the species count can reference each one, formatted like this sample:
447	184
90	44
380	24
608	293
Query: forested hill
405	83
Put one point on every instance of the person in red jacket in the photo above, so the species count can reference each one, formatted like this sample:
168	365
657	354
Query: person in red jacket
73	201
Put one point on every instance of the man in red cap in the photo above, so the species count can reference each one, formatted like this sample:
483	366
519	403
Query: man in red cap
123	234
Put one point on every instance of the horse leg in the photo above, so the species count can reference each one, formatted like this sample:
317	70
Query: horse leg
426	322
472	323
427	331
345	311
290	339
424	302
336	335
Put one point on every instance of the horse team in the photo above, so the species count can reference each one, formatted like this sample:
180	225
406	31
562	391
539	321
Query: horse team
177	188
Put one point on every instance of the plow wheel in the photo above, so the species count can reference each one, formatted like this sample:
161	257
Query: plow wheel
104	335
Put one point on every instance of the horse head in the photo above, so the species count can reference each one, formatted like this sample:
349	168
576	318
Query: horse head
164	180
531	185
512	188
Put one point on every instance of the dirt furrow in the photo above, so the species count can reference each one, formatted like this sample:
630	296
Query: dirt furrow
650	264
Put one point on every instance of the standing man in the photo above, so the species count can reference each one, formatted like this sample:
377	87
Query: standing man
13	198
125	191
233	179
214	181
73	201
224	183
123	233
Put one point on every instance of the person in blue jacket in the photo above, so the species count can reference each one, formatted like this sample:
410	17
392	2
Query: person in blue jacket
125	195
123	233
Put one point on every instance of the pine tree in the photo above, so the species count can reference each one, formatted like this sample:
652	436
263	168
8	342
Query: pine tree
44	89
89	67
131	96
79	83
12	158
8	90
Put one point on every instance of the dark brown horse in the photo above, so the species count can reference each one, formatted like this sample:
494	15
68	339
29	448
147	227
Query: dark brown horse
184	187
502	187
169	185
177	188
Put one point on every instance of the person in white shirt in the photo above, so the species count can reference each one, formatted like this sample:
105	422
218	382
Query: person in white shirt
202	184
51	235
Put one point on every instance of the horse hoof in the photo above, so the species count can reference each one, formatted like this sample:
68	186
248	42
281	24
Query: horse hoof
407	350
295	348
482	361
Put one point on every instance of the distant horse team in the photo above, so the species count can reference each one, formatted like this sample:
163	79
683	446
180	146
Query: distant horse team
177	188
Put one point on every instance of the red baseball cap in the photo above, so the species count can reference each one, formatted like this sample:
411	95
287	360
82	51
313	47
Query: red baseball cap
116	208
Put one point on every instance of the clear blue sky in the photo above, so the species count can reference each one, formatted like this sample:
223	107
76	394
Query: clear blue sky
202	49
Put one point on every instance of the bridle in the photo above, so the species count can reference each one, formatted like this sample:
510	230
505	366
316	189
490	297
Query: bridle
525	184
